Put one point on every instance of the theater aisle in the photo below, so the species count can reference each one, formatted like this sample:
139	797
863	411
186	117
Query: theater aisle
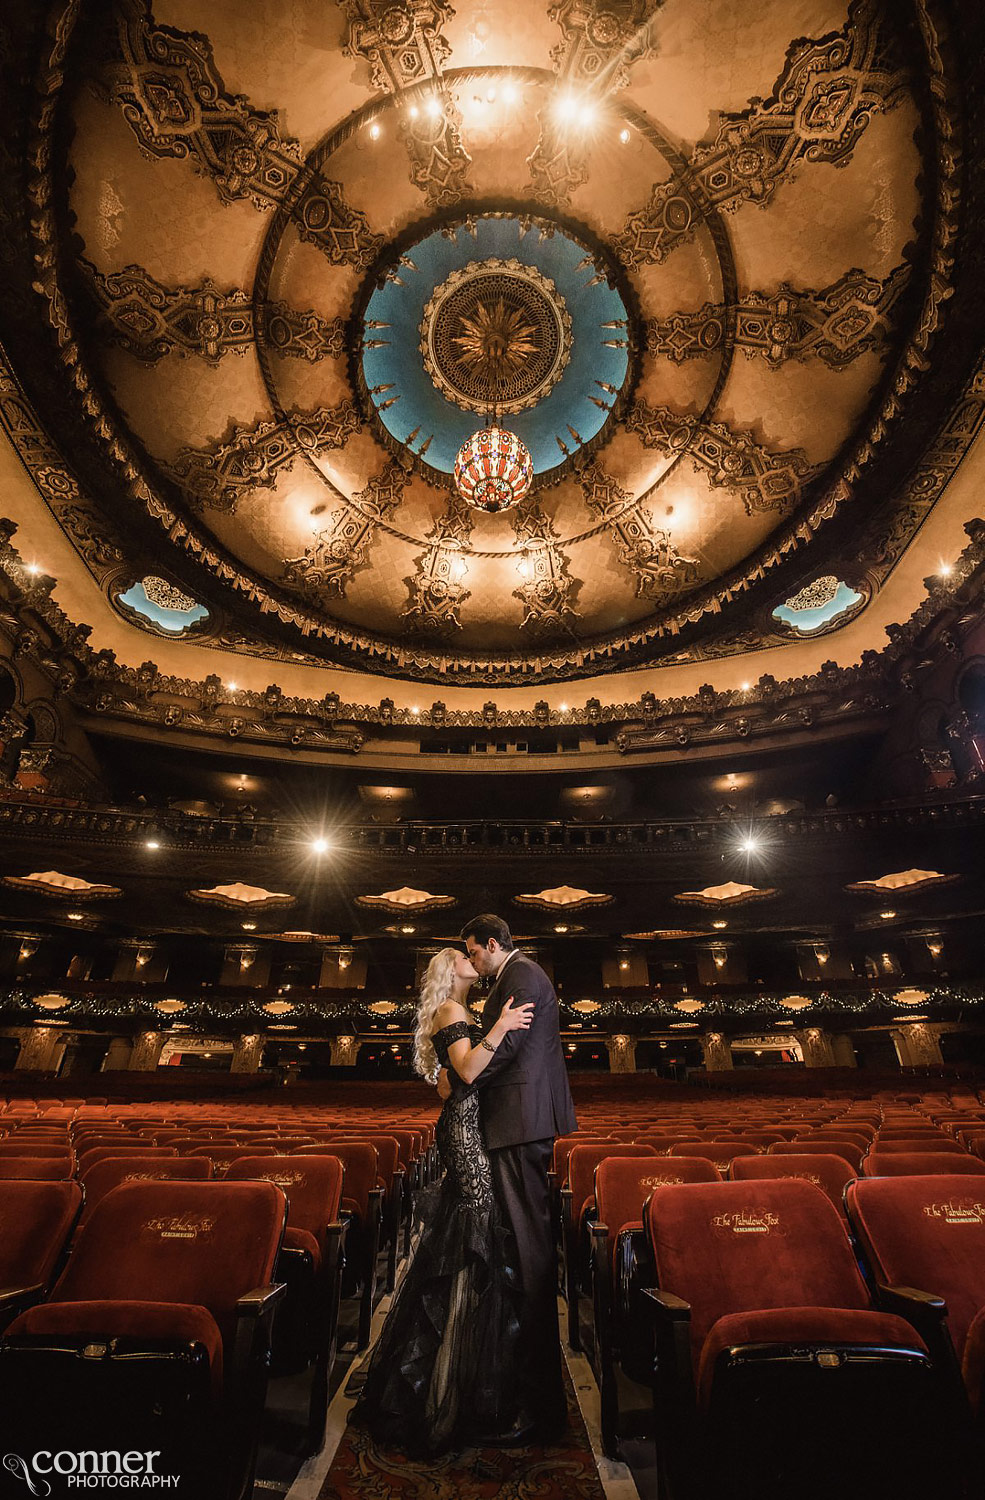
350	1467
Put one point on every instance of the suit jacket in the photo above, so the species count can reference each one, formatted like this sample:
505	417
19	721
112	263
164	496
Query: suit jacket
523	1090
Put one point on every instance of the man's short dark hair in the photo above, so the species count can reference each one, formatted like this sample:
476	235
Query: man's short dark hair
487	926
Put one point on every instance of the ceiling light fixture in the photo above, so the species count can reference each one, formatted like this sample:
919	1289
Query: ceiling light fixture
624	136
493	468
319	846
152	844
374	131
249	926
433	107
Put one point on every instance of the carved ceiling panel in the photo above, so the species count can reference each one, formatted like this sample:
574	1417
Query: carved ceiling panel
240	272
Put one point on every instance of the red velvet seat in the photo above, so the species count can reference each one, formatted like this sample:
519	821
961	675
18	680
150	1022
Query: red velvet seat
829	1173
810	1145
36	1219
761	1317
938	1143
21	1145
721	1154
222	1157
622	1186
34	1168
362	1202
103	1176
921	1164
924	1239
94	1154
168	1293
310	1264
576	1197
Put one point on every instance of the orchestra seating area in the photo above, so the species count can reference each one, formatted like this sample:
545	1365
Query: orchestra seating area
771	1258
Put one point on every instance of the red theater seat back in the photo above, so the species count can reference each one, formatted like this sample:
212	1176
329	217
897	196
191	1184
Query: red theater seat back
312	1185
35	1221
581	1169
103	1176
829	1173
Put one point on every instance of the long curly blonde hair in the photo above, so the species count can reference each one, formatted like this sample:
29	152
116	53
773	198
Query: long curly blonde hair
439	982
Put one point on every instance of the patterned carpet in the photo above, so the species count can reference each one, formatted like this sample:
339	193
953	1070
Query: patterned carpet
361	1471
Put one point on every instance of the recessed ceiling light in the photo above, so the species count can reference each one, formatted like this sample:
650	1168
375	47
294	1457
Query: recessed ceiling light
33	568
433	107
407	930
887	916
749	844
624	136
319	845
76	916
415	709
233	687
152	844
945	569
249	927
719	925
561	927
745	686
374	131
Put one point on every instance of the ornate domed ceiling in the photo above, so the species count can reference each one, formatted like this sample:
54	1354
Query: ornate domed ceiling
291	257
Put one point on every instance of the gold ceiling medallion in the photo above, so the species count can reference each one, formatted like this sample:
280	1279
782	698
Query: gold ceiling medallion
732	893
54	883
902	882
496	334
236	896
570	897
406	898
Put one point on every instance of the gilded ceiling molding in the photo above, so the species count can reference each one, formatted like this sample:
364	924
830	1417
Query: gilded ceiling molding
600	40
827	93
439	163
436	590
341	548
149	320
220	475
762	479
835	325
402	42
648	551
546	591
173	98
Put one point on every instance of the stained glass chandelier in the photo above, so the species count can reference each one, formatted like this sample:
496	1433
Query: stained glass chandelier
493	469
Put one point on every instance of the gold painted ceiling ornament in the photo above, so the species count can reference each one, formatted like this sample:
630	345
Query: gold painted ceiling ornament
732	893
911	997
406	898
566	897
54	883
496	334
902	882
497	342
236	896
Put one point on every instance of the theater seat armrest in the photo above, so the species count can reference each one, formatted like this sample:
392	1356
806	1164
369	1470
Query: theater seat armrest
903	1297
260	1301
666	1305
17	1299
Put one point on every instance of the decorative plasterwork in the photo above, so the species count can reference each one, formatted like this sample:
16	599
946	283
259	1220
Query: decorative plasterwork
911	997
585	1007
252	457
173	99
731	893
564	897
649	551
52	1002
54	883
406	898
402	42
762	479
436	591
902	883
546	591
835	325
150	320
238	896
439	163
170	1007
341	549
796	1002
689	1007
600	40
821	103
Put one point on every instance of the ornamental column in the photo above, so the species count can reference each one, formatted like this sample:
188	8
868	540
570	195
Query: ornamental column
622	1053
918	1045
146	1052
38	1045
816	1046
717	1052
345	1050
247	1054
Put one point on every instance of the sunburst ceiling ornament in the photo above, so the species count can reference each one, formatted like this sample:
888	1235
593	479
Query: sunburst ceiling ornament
54	883
729	894
237	896
406	898
497	341
568	897
902	882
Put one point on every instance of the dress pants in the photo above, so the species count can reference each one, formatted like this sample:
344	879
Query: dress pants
519	1176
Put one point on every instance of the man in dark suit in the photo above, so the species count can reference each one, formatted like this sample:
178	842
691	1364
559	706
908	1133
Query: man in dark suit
525	1102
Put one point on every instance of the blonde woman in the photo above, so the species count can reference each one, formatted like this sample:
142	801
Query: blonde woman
443	1373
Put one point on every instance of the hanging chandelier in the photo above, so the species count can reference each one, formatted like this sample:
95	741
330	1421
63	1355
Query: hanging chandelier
493	469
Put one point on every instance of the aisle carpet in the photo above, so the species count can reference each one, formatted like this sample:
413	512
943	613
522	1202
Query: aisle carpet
566	1471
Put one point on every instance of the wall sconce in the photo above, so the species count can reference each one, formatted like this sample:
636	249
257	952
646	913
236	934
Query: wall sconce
27	950
935	947
821	953
143	957
719	957
246	958
345	957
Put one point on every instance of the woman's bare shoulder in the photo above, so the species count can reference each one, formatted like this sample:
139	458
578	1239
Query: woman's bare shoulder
450	1012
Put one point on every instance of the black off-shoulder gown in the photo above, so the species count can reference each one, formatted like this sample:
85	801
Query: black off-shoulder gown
443	1372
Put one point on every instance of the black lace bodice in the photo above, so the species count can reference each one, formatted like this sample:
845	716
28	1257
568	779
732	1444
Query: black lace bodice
448	1035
